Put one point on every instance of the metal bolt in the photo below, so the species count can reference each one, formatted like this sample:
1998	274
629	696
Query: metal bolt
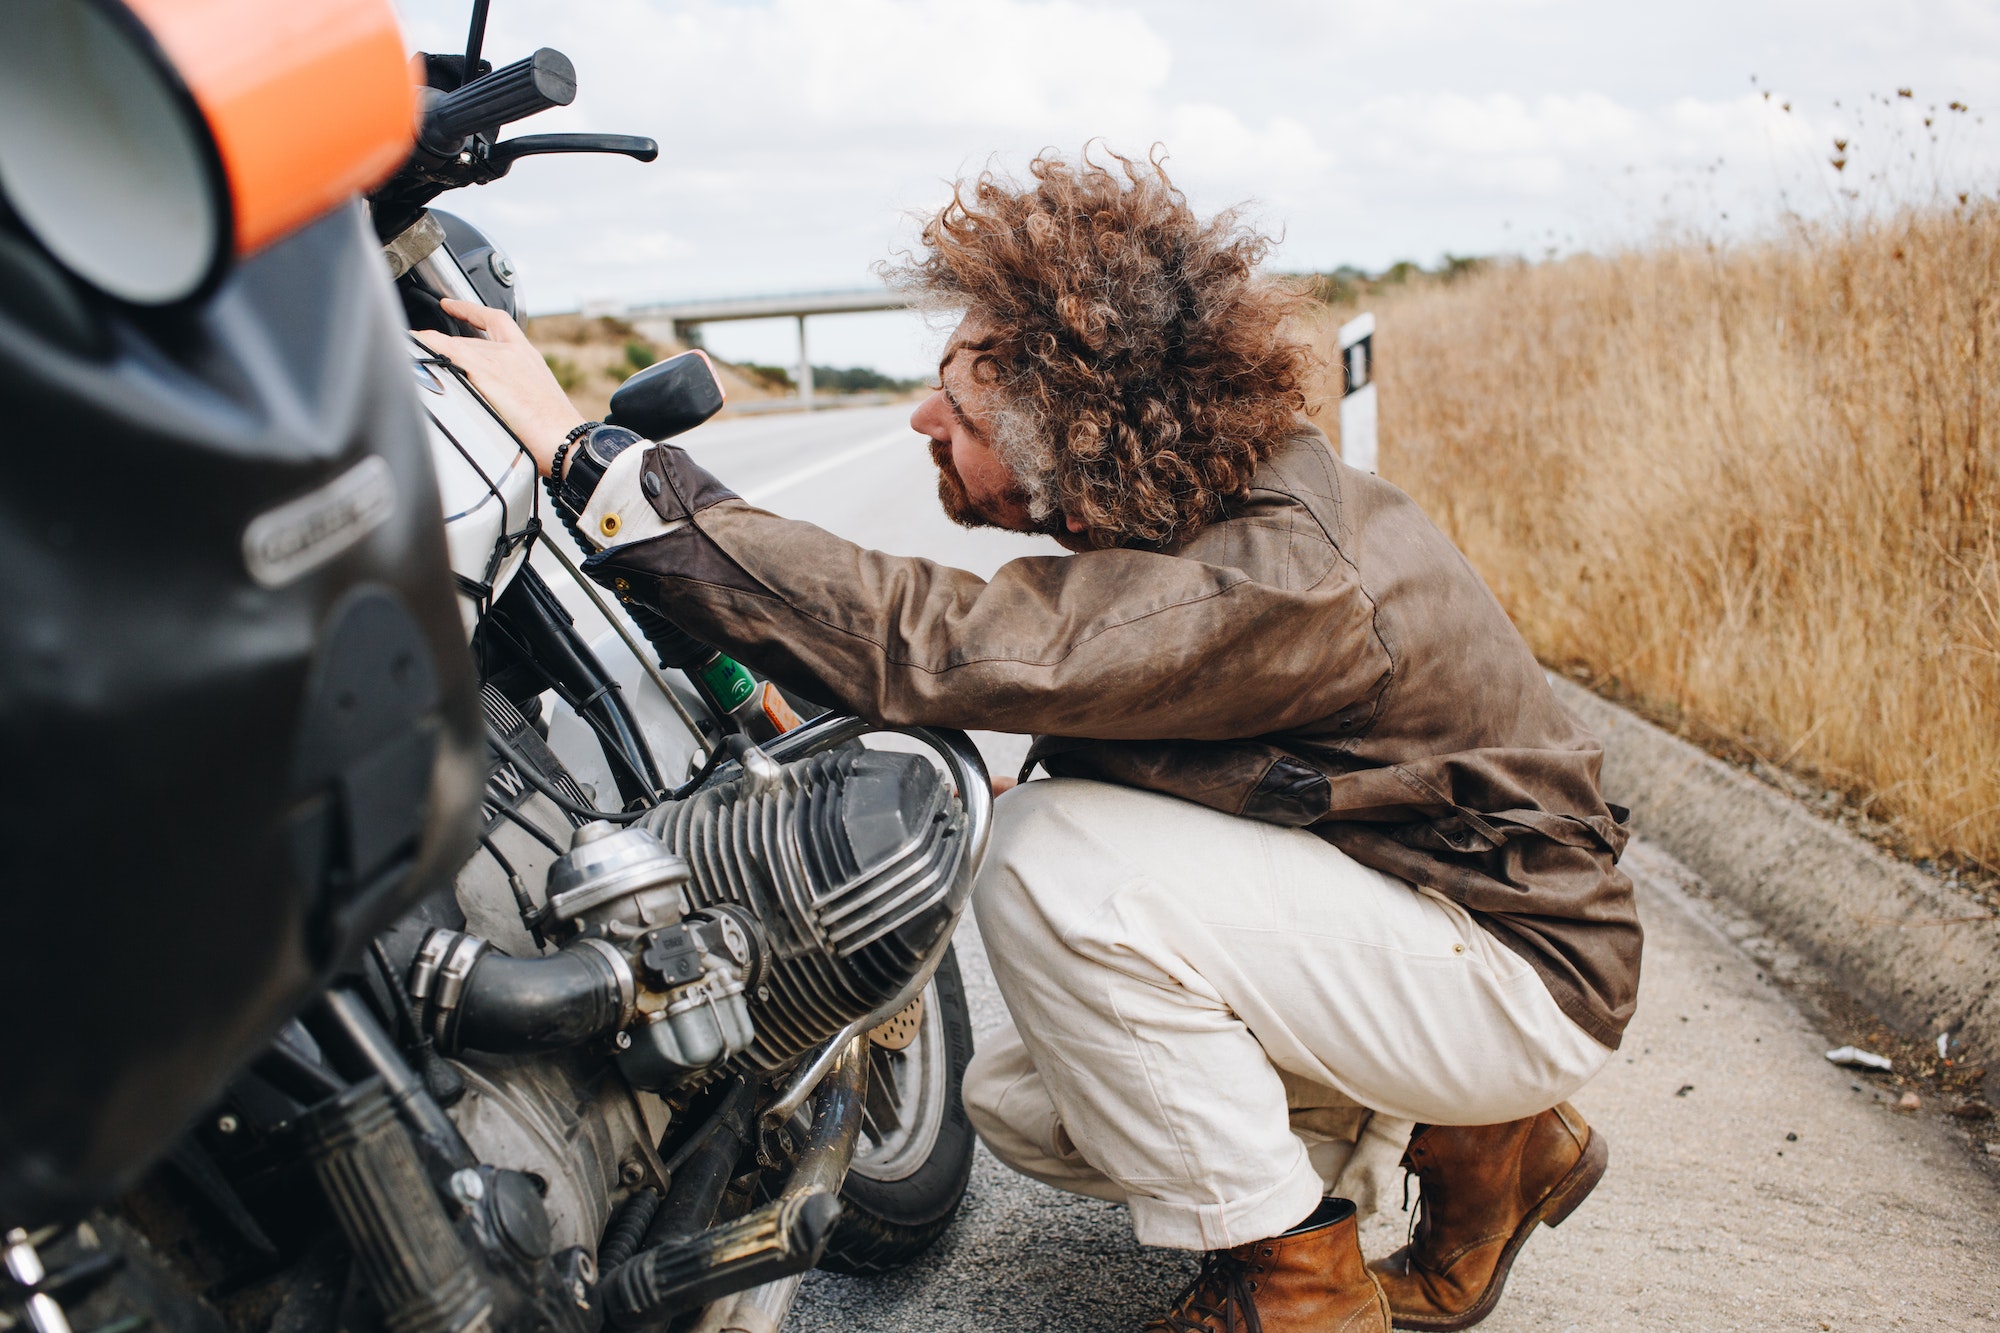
467	1187
227	1124
623	1041
631	1172
763	995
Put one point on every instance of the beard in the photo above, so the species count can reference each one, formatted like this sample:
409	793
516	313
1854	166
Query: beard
952	495
962	509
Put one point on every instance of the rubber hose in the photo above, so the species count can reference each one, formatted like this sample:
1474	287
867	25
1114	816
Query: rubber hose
627	1229
512	1005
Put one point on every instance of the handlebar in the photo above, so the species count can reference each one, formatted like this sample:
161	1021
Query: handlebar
447	157
543	80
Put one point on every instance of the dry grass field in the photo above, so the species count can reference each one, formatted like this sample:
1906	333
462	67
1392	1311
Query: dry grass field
1754	490
592	357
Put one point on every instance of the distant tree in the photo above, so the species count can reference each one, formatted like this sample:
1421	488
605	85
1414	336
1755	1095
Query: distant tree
859	379
1348	285
1460	266
830	379
639	355
773	377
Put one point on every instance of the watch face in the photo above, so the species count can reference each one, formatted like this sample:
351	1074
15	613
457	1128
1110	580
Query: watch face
606	445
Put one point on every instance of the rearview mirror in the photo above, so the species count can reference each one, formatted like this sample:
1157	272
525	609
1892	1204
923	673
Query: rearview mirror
666	399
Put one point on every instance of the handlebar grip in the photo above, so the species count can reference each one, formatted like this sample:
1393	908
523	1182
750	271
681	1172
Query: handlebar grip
543	80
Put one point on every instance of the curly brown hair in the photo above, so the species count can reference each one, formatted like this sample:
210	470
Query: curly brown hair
1141	365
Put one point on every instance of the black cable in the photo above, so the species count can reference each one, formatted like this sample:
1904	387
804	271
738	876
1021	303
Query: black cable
527	826
531	915
606	741
398	996
716	758
532	776
445	1084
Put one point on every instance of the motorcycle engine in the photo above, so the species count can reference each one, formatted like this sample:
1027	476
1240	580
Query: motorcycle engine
747	923
736	929
846	860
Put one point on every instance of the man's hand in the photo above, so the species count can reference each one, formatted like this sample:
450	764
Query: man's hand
505	367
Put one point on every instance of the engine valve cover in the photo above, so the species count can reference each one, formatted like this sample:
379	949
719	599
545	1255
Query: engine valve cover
847	862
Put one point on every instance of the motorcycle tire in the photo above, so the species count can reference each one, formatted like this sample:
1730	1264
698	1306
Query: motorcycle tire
902	1193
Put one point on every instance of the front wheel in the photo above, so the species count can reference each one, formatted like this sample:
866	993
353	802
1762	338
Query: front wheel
915	1151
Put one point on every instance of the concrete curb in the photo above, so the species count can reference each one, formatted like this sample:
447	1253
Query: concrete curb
1922	954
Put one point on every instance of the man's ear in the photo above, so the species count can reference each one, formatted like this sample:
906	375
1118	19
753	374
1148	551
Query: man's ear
1073	523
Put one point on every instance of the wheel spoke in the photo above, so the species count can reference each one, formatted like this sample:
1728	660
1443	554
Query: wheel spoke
904	1108
884	1106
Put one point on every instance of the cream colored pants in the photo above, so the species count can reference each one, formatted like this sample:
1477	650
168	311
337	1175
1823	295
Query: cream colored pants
1218	1021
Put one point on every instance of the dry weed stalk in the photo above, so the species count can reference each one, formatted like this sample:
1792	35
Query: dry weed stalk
1759	487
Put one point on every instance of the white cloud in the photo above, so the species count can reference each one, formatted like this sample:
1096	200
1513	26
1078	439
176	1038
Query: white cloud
798	134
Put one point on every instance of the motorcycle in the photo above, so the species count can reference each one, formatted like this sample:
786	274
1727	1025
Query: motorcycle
684	1024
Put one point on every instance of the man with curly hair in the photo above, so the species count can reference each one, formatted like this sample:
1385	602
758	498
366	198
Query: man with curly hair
1321	875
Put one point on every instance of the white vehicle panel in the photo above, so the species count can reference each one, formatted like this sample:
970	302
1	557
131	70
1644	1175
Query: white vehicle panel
486	481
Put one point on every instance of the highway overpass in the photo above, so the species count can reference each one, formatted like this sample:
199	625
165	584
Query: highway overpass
678	319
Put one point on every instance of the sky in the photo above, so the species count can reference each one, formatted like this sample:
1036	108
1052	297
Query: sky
800	139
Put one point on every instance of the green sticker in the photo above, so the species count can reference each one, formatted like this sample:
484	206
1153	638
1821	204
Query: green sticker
728	680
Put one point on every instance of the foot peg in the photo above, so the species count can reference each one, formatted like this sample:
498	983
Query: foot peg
775	1241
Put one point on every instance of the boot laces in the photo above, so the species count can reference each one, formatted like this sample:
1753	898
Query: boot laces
1219	1300
1413	1172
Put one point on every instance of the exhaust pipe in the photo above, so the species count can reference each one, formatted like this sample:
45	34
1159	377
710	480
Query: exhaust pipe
784	1237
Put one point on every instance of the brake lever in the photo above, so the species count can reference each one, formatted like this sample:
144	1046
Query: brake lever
502	156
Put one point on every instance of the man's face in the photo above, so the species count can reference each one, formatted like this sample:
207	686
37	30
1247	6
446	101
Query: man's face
974	486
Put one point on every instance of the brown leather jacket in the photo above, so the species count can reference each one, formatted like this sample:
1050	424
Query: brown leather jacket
1322	657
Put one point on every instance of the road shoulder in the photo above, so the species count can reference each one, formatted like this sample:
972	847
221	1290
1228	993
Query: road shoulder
1921	953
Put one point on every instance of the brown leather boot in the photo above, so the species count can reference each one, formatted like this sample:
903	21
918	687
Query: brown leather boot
1309	1280
1481	1190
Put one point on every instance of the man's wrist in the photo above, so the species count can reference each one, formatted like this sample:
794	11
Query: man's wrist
541	436
590	450
559	459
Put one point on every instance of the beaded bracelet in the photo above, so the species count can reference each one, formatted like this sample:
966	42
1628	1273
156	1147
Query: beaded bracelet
577	432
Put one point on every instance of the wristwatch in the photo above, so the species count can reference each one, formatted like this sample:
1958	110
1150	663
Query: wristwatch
589	457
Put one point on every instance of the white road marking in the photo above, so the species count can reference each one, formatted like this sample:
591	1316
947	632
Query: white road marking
759	494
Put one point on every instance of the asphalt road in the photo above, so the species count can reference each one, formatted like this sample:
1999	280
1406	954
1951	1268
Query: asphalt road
1752	1184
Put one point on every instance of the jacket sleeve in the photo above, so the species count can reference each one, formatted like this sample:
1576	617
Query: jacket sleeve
1105	644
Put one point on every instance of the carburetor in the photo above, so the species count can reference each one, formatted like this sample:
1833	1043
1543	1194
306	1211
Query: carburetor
691	969
666	985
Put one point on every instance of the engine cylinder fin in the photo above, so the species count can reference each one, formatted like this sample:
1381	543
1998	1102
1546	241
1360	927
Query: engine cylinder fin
849	853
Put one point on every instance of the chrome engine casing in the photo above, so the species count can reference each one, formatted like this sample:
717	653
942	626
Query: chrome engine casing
569	1120
849	860
846	870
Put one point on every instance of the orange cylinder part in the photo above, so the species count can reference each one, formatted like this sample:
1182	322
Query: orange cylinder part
308	100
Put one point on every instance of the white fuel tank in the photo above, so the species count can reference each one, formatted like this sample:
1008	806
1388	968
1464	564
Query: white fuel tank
486	481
